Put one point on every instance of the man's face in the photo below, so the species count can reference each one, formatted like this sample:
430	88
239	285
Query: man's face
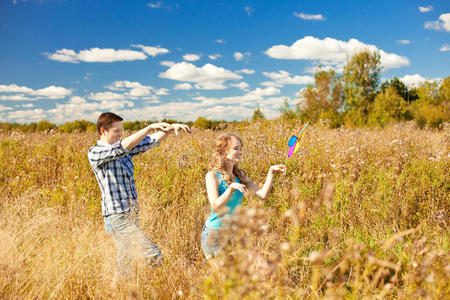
113	134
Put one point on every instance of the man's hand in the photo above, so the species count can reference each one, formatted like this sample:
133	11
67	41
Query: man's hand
177	127
163	126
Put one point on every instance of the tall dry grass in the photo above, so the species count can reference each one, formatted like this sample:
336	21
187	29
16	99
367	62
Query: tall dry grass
360	214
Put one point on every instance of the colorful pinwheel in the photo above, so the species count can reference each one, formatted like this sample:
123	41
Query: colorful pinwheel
294	141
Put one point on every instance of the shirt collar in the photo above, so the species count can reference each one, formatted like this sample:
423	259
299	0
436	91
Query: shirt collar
102	143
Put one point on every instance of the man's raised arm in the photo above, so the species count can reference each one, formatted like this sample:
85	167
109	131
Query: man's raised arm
133	140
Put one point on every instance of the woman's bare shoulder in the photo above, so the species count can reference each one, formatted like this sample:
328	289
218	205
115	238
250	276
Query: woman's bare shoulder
212	175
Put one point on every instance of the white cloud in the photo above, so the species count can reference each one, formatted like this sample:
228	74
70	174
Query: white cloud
403	42
152	51
167	63
63	55
135	89
445	47
207	77
325	66
117	97
210	85
331	51
246	71
214	56
80	109
183	86
122	85
220	41
238	107
190	112
241	85
17	97
154	4
240	56
13	88
249	10
28	105
308	17
4	108
425	9
259	92
162	91
28	94
77	100
96	55
139	92
132	90
191	57
105	96
415	80
27	116
443	23
228	108
53	92
282	78
81	105
251	98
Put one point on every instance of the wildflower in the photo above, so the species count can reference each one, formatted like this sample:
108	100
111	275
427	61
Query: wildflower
316	257
285	246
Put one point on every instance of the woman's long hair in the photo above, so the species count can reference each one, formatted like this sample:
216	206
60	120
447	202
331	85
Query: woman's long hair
220	163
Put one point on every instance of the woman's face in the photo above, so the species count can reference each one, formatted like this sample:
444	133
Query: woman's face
234	153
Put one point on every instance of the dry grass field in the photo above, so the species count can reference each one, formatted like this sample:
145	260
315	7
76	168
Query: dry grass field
360	214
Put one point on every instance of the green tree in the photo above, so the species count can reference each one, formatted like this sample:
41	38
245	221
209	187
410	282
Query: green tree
8	126
204	123
28	127
402	90
45	126
134	125
258	115
361	80
323	99
444	91
432	107
429	92
286	111
77	126
388	107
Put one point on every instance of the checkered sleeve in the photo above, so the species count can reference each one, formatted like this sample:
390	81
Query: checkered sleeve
147	143
100	155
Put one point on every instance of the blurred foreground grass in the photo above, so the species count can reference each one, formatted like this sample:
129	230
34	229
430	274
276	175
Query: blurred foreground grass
360	214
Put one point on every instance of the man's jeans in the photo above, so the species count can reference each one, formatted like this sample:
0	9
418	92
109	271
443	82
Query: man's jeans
131	242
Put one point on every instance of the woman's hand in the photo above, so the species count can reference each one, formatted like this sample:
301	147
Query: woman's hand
278	168
239	186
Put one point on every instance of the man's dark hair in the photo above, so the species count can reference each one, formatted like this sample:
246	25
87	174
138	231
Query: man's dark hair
106	120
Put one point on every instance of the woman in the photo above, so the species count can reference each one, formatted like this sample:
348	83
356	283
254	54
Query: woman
226	185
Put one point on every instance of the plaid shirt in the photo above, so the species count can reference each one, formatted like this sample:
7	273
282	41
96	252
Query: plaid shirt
113	168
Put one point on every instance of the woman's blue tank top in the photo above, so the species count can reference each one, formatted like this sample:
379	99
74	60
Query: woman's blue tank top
214	221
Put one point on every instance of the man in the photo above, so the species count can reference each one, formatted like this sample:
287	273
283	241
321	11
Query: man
111	161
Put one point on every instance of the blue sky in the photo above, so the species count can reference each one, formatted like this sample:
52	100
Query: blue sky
64	60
